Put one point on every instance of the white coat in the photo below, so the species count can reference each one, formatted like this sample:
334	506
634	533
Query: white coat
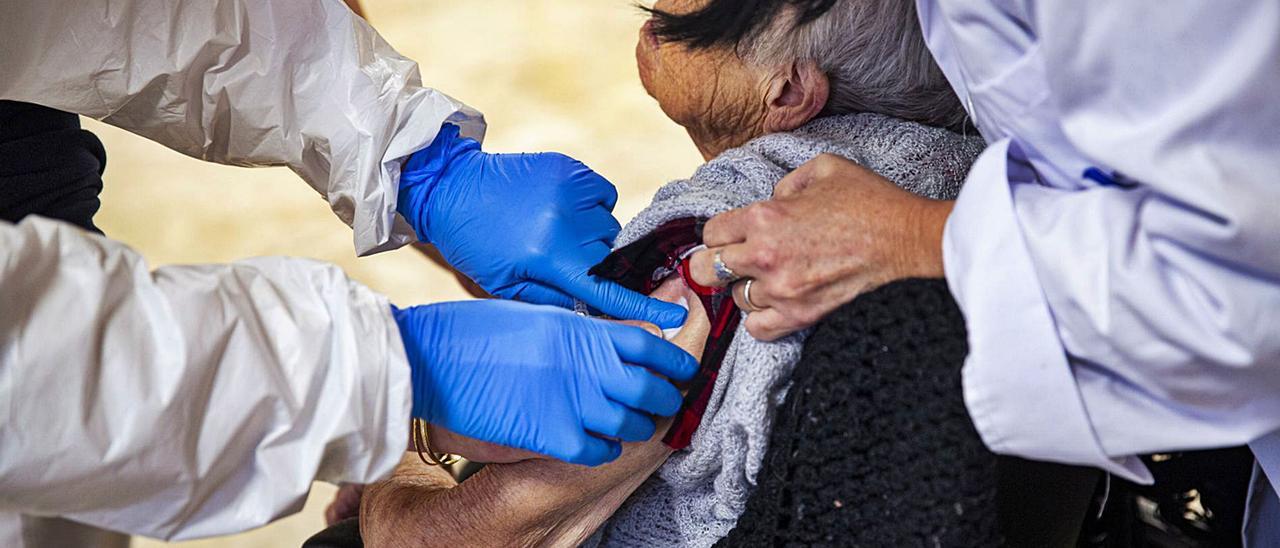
1116	250
192	401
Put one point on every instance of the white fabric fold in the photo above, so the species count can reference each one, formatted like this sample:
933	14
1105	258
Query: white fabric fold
1014	365
190	401
308	85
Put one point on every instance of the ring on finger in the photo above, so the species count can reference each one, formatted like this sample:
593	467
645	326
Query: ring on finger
746	296
723	272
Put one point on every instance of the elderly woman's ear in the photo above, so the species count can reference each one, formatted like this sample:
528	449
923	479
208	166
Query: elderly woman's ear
796	93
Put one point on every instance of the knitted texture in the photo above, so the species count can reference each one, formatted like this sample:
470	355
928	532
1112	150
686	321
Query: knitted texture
873	446
697	496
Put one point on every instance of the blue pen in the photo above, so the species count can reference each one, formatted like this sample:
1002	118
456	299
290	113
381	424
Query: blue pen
1105	179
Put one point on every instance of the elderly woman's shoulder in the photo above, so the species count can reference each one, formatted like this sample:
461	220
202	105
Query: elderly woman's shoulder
871	125
927	160
875	135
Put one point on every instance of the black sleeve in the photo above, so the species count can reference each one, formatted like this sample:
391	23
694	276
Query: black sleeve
48	165
344	534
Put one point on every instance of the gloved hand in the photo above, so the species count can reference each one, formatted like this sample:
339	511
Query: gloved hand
523	226
538	377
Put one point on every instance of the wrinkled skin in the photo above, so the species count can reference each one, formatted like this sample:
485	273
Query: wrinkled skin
711	93
536	502
832	231
720	98
826	237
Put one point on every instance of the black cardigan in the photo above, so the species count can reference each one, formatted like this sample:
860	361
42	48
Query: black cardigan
873	446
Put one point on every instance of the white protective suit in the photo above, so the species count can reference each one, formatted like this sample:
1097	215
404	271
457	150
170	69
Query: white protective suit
203	400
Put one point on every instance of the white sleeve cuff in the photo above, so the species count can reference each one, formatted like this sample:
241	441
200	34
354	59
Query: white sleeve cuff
1018	385
379	409
420	114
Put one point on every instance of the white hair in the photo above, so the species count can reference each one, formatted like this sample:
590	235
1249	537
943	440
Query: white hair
874	54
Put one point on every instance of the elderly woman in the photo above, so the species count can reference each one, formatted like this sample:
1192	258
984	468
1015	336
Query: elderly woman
851	78
867	438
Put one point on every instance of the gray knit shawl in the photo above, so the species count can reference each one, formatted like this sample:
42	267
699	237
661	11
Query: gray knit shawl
698	494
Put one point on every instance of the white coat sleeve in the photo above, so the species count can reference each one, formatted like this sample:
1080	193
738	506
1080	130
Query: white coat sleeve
188	401
1108	321
304	84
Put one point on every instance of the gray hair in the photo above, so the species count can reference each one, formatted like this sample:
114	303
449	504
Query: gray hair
874	54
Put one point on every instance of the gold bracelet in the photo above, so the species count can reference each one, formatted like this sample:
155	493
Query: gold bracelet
422	444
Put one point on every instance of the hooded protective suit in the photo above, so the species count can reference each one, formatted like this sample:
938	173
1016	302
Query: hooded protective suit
303	368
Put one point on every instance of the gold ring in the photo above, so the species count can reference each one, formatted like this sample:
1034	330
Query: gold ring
746	296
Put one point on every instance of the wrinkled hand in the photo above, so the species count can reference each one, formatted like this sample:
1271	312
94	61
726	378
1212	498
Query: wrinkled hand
539	378
523	226
832	231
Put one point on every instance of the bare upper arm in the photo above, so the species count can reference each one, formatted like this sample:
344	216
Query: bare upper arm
535	502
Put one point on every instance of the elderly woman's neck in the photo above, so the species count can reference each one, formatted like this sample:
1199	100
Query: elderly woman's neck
712	146
712	142
728	124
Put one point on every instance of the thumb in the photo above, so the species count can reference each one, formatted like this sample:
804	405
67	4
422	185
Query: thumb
536	293
648	327
622	303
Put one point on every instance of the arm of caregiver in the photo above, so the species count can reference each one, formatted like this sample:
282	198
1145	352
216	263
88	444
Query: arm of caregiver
311	86
188	401
202	400
1164	296
528	503
1105	321
306	85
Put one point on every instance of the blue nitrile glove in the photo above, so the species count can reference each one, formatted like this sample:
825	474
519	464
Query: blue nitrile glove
523	226
538	377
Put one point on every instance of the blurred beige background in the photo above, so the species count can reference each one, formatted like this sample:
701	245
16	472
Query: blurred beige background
548	74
